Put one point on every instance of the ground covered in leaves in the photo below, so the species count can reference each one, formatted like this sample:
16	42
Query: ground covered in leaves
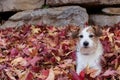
39	52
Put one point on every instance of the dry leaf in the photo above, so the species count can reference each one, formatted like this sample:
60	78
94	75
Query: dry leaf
51	75
19	61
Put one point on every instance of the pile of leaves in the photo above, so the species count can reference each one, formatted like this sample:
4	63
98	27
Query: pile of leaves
40	52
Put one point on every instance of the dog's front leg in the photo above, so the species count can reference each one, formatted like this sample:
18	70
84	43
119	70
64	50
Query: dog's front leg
78	68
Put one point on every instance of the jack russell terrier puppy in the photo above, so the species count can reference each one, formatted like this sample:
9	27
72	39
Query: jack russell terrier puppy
89	49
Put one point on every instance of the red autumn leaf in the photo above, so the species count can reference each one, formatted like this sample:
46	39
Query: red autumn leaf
51	75
14	52
82	75
117	37
45	72
34	60
106	45
51	29
29	76
35	69
26	51
109	72
75	76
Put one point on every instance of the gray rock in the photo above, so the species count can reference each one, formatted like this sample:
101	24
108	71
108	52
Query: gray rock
88	2
112	10
103	20
109	2
62	2
15	5
60	16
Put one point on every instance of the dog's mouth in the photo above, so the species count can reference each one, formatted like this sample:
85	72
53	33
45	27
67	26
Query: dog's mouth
86	54
87	50
85	47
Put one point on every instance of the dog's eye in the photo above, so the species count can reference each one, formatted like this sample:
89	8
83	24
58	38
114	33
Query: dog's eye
91	36
81	36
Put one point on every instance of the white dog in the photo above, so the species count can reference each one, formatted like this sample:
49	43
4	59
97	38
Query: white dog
89	49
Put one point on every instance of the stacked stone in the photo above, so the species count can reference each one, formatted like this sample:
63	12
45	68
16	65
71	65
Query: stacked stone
59	12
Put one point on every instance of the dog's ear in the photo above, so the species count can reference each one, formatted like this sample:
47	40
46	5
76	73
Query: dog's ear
75	34
97	30
73	31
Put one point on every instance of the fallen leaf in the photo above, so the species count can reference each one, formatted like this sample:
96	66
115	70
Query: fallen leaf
51	75
109	72
29	76
34	60
14	52
91	71
2	59
35	30
118	70
9	74
19	61
21	74
75	76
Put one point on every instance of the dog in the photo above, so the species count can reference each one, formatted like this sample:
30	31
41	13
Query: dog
89	49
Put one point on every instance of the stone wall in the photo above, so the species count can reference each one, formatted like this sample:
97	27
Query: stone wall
60	16
88	2
60	12
16	5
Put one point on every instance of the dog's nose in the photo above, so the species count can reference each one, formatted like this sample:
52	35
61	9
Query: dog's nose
85	43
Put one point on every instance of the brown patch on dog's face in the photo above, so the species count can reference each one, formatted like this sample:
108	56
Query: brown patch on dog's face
93	35
94	32
97	31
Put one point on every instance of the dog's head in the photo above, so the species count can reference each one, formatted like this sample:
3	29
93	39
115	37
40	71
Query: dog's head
88	39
